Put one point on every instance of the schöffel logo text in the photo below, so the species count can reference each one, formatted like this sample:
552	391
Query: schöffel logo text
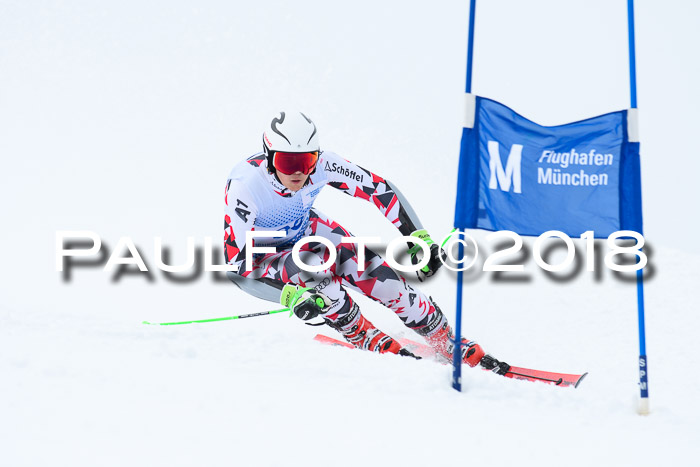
344	171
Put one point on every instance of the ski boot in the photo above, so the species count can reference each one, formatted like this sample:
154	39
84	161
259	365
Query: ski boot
440	337
360	332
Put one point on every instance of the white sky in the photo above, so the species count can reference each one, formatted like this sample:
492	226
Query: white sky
125	117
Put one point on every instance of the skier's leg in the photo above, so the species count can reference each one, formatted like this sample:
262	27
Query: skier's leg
361	333
382	284
417	311
344	315
278	269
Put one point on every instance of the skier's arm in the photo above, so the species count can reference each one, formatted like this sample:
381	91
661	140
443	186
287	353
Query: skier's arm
239	217
358	182
361	183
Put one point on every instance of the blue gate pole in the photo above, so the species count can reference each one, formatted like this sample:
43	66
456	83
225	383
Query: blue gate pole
643	369
470	45
457	356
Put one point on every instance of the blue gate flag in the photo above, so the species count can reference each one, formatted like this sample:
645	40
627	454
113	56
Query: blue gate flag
517	175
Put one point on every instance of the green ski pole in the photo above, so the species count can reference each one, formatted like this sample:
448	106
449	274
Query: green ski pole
226	318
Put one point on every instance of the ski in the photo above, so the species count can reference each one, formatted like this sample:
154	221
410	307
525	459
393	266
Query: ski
330	341
558	379
514	372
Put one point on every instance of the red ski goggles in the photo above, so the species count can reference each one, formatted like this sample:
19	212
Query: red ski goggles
292	162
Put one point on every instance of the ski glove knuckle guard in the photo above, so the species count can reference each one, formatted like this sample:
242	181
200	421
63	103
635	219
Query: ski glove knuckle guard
310	305
305	303
436	253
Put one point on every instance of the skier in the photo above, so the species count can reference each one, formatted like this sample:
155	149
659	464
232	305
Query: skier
275	191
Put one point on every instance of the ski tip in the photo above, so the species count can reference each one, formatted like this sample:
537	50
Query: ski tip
147	322
580	379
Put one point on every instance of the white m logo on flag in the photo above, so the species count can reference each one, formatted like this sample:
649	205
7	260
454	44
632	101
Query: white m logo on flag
503	177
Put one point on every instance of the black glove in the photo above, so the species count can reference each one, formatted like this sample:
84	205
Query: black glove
436	253
305	303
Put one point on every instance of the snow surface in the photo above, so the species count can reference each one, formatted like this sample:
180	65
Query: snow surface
125	118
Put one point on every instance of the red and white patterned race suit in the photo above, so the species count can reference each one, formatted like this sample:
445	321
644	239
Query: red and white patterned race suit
256	200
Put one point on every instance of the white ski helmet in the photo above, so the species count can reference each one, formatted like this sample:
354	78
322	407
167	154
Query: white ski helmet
289	132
